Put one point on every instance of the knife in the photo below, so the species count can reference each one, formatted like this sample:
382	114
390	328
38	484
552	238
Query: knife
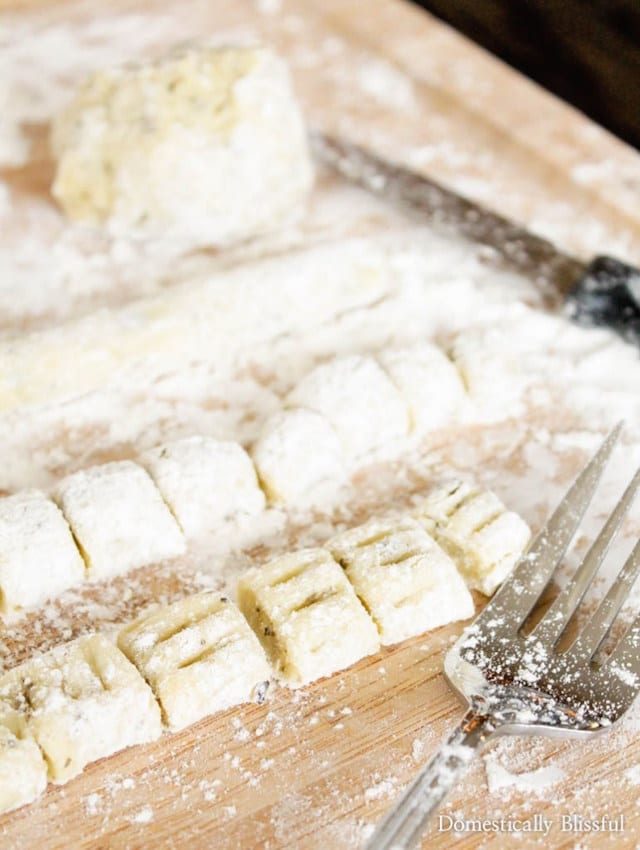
603	292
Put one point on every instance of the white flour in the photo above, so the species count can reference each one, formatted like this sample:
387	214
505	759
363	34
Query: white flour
40	65
581	382
536	782
386	84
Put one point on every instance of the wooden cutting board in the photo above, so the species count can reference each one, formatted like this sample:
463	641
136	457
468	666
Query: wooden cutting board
315	768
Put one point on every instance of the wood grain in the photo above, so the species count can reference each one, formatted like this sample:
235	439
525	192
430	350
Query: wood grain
309	769
316	767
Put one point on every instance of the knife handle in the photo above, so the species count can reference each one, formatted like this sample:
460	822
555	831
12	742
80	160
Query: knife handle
608	293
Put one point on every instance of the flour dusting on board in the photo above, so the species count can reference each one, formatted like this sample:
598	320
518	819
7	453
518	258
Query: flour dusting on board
39	67
319	758
386	84
143	815
536	782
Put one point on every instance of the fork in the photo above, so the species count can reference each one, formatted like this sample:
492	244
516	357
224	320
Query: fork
519	683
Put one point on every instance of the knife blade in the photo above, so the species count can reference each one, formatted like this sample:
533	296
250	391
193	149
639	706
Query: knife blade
605	291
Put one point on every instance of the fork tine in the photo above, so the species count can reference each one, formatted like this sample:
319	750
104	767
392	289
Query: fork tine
625	658
598	626
556	618
520	591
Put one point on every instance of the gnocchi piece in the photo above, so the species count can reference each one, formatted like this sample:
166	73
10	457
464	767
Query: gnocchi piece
80	702
118	518
429	383
199	656
306	615
38	557
441	503
402	577
490	366
23	770
207	483
481	535
358	399
299	457
206	144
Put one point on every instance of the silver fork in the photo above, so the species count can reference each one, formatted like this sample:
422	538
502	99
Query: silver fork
520	683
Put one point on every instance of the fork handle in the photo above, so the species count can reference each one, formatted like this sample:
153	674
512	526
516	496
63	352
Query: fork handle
405	824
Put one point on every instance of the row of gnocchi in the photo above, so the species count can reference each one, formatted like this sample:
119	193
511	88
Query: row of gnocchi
351	407
303	615
118	516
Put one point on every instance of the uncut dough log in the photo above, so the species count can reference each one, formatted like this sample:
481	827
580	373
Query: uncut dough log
118	518
206	144
299	457
358	399
38	556
23	770
474	527
199	656
80	702
306	615
207	483
403	578
214	319
429	383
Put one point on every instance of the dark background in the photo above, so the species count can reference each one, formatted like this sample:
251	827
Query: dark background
585	51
